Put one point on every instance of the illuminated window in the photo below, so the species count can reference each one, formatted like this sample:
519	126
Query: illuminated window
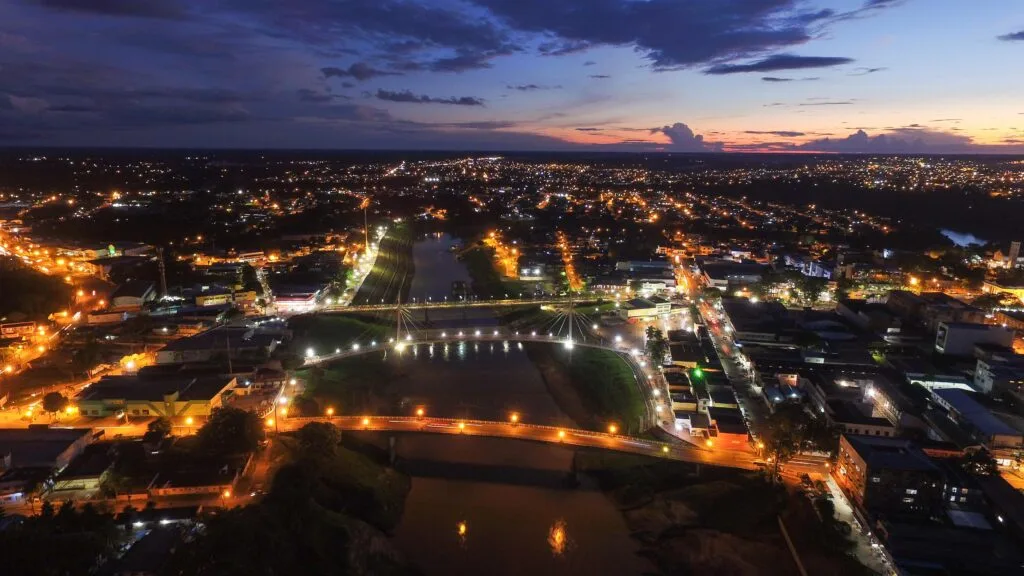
911	491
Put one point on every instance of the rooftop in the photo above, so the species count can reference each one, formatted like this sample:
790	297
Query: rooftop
890	453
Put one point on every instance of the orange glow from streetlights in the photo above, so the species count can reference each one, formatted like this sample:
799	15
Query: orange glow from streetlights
419	412
227	493
514	418
330	411
269	422
284	411
613	429
462	426
189	421
709	443
41	348
664	449
561	435
366	421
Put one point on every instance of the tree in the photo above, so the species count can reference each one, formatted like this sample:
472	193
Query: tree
657	346
230	431
811	288
319	439
979	463
54	402
161	425
784	433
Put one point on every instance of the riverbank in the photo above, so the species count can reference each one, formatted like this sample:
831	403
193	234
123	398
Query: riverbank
594	387
715	521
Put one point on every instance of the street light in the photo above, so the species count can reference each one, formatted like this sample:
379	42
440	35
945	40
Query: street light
561	435
664	449
189	421
613	429
330	411
462	427
419	412
709	443
366	422
514	418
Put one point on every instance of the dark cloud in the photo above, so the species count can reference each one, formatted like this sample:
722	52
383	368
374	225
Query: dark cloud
778	62
781	79
684	140
909	140
1014	37
563	48
866	71
407	96
163	9
779	133
531	87
359	71
600	76
589	63
671	33
588	129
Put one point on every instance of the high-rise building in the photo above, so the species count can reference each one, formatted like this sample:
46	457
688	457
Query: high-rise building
1011	259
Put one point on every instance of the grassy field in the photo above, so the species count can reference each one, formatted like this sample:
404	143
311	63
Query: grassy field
351	386
487	281
594	387
324	333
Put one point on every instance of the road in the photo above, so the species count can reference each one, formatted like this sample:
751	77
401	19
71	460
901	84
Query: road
536	433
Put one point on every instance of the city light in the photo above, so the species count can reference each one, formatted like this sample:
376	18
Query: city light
310	353
664	449
709	443
514	417
189	421
419	412
561	435
269	422
366	421
330	411
462	426
292	382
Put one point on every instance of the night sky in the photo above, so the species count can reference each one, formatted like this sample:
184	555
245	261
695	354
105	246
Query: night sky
938	76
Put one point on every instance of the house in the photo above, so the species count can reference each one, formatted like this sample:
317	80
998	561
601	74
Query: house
236	342
728	430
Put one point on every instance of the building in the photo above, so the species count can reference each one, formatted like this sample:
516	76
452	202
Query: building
999	373
644	308
978	422
235	342
132	295
884	476
932	308
875	317
996	288
150	397
960	338
42	447
721	274
728	430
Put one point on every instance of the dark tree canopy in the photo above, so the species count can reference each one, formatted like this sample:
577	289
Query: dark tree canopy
231	431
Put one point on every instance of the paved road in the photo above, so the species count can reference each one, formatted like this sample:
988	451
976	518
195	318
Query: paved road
429	305
535	433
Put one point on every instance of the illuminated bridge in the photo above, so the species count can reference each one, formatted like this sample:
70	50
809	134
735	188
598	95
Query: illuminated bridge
533	433
453	304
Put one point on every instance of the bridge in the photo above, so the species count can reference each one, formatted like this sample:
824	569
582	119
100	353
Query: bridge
459	336
516	430
452	304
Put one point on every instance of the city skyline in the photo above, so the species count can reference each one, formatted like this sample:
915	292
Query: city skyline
874	76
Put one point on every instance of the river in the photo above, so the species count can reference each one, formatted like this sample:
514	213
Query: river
436	268
499	507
